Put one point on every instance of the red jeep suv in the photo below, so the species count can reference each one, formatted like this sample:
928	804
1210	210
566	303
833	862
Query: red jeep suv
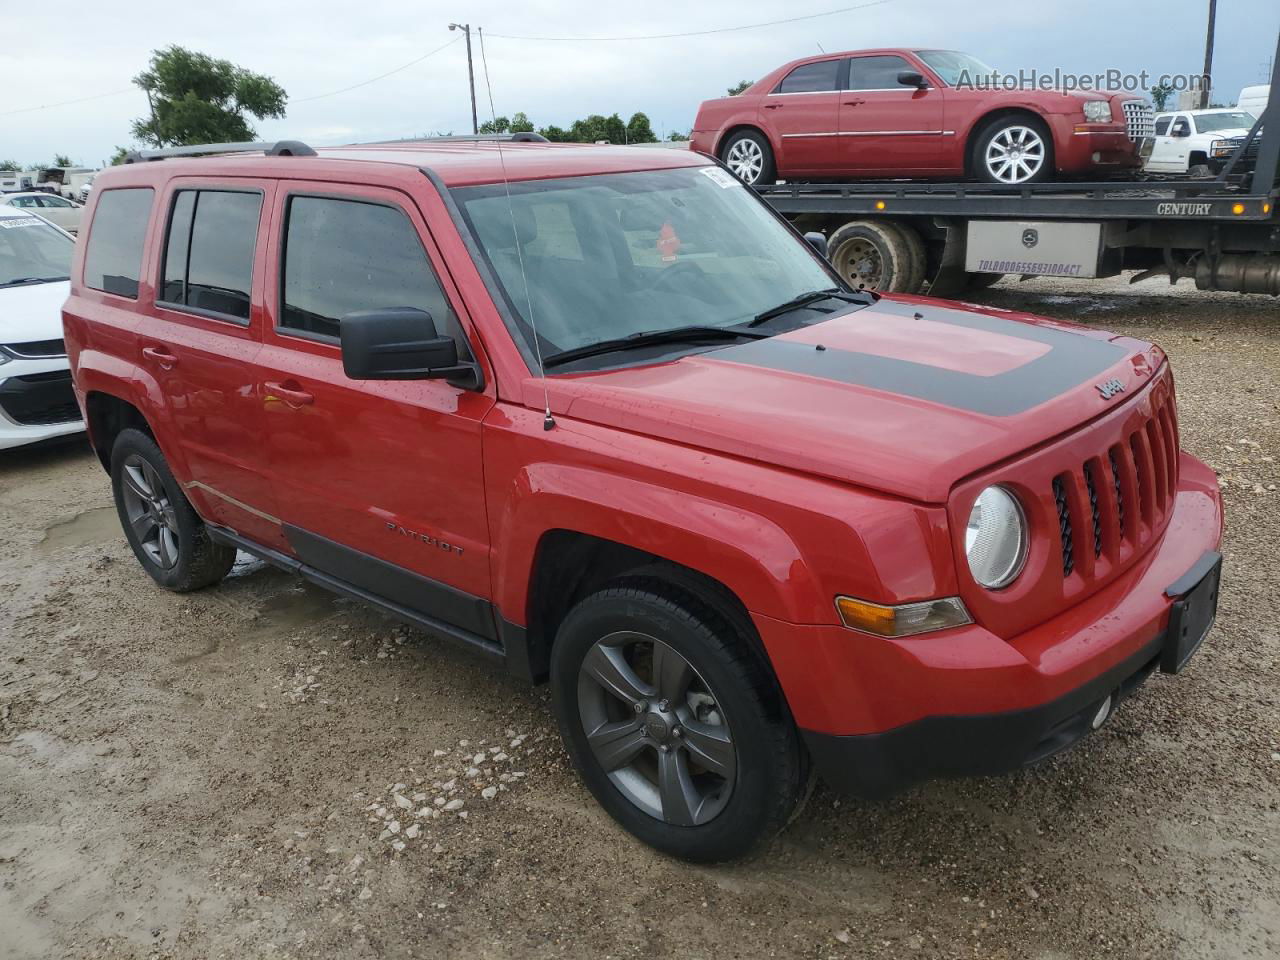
601	416
915	113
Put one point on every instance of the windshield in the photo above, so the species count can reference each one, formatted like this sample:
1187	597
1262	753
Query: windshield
954	67
614	255
1235	120
32	251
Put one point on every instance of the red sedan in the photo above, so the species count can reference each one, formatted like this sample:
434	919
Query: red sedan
915	113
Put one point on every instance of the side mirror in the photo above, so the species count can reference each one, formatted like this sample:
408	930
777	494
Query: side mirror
1180	129
400	343
818	241
909	78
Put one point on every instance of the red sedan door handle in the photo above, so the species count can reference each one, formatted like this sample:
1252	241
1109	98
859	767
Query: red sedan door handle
290	393
853	103
164	358
772	106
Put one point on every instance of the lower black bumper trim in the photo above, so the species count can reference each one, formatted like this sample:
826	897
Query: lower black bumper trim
878	765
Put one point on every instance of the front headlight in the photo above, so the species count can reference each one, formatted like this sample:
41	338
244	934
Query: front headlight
995	541
1097	111
1221	148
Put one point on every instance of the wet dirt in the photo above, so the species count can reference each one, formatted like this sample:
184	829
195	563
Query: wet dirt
202	775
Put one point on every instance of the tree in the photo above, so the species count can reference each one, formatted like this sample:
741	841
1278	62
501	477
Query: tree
740	87
675	136
496	125
555	134
117	158
521	123
198	99
639	131
1160	95
10	165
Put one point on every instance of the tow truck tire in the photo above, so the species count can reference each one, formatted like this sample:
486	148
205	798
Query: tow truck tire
981	281
875	255
748	154
915	248
1024	140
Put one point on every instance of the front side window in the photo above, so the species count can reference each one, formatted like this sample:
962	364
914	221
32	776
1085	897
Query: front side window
609	256
23	202
877	73
811	78
209	247
32	252
341	256
1162	126
113	258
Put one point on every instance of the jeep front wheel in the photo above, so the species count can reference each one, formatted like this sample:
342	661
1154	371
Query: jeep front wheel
673	722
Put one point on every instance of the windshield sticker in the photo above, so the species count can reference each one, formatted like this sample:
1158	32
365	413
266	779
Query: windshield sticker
9	223
716	175
668	243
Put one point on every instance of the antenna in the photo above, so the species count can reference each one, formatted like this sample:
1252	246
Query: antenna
548	421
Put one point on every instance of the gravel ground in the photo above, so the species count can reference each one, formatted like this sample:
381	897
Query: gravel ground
261	770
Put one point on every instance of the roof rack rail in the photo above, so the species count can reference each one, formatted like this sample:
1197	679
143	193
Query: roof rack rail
280	148
524	136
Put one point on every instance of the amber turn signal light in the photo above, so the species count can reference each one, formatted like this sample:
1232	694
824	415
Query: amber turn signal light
904	620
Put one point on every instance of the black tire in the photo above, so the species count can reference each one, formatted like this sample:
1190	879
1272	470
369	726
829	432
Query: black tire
914	282
874	255
743	147
197	560
1009	126
769	777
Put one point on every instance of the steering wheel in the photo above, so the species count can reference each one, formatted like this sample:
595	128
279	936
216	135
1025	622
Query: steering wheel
681	268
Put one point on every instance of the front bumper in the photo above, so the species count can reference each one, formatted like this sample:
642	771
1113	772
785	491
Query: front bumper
37	401
1081	147
878	715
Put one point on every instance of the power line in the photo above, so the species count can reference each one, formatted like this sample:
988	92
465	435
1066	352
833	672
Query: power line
695	33
381	76
65	103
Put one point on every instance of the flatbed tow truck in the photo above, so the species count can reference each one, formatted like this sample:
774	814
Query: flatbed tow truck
901	235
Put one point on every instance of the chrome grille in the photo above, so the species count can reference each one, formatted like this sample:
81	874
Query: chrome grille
1139	119
35	349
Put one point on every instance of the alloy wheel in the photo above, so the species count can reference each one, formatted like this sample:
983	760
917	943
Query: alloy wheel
656	728
150	512
1015	154
746	159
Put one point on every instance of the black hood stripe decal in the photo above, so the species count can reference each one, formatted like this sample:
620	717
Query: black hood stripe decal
1071	360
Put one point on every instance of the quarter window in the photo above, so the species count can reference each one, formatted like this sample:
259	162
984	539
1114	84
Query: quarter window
208	262
341	256
877	73
811	78
113	258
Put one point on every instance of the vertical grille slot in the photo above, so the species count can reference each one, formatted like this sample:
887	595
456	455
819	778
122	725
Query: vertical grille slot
1159	458
1093	509
1064	526
1142	467
1115	477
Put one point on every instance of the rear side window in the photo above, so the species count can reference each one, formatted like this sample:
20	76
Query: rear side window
346	255
1162	126
208	260
113	258
877	73
811	78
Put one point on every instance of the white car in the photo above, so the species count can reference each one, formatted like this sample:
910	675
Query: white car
59	211
36	399
1191	138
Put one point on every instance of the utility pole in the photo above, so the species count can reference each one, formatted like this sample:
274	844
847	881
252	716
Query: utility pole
1208	54
471	74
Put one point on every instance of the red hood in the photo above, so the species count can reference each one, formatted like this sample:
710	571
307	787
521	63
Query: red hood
908	396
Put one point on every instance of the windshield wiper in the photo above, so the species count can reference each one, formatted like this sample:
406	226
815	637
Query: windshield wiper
808	299
649	338
21	280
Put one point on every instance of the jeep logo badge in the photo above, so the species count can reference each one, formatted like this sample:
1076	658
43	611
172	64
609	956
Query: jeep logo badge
1109	388
1030	237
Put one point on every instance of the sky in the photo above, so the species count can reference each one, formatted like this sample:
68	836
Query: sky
318	47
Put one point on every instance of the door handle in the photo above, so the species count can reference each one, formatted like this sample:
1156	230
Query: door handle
853	103
290	393
164	358
772	106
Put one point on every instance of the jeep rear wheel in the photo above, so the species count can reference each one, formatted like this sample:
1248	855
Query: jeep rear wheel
168	538
673	722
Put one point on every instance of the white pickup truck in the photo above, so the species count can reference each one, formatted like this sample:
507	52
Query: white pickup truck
1194	138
